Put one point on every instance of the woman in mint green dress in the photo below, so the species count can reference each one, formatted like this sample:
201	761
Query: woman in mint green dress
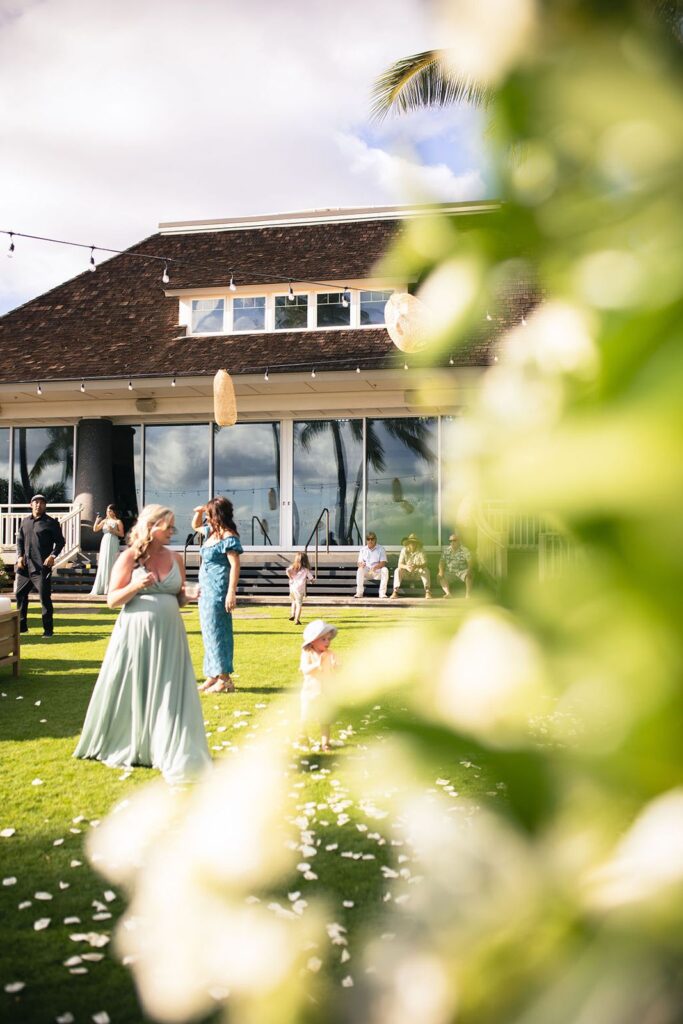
218	576
112	534
144	709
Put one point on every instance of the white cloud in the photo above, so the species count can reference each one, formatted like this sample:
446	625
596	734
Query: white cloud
121	114
401	178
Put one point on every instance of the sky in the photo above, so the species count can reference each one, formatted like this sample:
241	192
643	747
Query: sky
118	114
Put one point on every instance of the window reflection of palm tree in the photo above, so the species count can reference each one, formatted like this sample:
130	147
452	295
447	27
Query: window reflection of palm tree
58	451
413	434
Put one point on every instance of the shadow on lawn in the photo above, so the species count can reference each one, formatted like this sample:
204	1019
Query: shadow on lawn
63	690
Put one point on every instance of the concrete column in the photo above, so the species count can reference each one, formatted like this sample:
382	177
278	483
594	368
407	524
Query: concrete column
94	480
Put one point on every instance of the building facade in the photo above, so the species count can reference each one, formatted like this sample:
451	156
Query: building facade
106	382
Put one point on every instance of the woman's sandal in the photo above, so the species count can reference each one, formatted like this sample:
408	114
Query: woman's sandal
207	684
222	686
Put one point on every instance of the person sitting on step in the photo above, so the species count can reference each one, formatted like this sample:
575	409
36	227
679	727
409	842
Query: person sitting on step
412	563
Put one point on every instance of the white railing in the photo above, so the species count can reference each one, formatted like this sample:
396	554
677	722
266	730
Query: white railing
492	553
555	553
518	531
68	515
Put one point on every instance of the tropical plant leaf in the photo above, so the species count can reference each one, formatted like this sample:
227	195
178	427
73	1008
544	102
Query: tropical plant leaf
422	80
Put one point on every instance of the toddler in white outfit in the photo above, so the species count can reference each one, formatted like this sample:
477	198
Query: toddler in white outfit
299	574
318	665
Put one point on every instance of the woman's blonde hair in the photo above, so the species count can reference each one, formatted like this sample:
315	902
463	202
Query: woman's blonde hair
141	534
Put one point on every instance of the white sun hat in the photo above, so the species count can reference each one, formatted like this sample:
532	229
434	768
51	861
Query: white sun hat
314	630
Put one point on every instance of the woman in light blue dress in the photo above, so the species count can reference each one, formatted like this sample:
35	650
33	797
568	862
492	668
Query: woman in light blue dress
218	575
112	534
144	709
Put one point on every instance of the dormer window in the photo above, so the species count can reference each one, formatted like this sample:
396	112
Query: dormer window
331	310
207	316
372	307
291	312
249	313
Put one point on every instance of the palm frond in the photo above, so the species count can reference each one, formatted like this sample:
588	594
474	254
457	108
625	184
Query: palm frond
423	80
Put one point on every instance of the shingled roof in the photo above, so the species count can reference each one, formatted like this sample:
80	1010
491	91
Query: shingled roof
118	320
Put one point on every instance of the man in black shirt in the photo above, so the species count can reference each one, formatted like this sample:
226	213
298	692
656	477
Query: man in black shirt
39	541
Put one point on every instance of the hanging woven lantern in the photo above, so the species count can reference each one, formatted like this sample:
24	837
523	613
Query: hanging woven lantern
224	403
407	322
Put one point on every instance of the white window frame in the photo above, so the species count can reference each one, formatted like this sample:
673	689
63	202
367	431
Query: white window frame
208	298
267	316
288	330
369	327
336	327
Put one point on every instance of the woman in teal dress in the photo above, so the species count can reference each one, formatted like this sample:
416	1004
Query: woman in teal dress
144	709
112	534
218	575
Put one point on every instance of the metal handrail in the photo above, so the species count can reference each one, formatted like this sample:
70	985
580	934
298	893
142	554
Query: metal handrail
263	529
326	513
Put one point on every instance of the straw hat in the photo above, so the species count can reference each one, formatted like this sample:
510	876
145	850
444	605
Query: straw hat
314	630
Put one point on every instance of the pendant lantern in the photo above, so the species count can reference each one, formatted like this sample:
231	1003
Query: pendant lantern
407	321
224	402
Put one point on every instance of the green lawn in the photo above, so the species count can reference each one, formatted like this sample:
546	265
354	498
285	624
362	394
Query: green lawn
51	800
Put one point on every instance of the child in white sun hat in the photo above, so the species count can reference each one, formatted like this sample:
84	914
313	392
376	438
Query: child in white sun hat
317	664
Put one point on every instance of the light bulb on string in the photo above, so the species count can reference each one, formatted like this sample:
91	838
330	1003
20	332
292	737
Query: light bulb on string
488	316
523	321
10	251
290	294
346	297
82	388
39	391
92	266
173	382
405	366
130	385
313	372
164	277
232	286
358	369
265	376
451	361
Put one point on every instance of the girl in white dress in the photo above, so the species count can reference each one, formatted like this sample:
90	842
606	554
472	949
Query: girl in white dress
299	574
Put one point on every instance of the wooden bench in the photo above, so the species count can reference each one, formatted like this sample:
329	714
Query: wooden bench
9	640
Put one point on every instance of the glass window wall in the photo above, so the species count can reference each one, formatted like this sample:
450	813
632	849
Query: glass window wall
4	465
402	478
177	470
328	473
291	313
247	471
43	462
207	316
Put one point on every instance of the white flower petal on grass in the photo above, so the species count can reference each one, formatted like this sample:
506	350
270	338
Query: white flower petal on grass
25	904
73	961
72	920
9	881
78	970
314	964
6	833
65	1018
12	987
57	842
37	782
101	1018
64	885
92	957
41	924
42	896
347	982
109	895
76	864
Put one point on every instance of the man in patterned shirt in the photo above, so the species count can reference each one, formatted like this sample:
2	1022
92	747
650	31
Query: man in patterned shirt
455	564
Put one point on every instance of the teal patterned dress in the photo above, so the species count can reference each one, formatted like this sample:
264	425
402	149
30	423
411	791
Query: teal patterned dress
216	622
145	709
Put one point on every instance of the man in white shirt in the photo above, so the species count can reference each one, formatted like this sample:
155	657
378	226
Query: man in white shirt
372	562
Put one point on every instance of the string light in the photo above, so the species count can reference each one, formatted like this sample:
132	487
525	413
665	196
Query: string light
489	317
39	391
290	295
523	321
265	376
164	277
405	366
451	361
173	382
130	385
82	387
232	285
346	296
358	369
313	372
10	251
93	266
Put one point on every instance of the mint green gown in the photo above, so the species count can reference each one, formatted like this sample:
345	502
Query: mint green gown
144	709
